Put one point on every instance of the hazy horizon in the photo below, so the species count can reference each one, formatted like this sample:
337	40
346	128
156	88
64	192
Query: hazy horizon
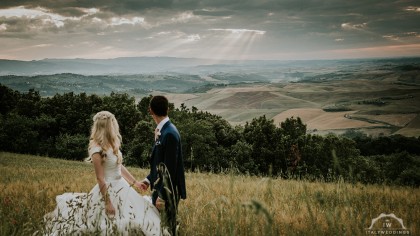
215	30
226	60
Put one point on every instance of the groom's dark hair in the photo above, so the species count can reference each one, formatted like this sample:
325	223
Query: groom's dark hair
159	105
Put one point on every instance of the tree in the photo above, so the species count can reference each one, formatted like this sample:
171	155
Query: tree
8	99
143	107
293	127
292	132
29	104
72	147
314	159
199	144
263	136
138	149
18	134
47	128
124	108
241	158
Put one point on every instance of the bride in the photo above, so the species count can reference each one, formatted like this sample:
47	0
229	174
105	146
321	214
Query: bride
112	206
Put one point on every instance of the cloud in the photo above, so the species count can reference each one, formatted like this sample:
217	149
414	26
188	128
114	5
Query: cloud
349	26
37	14
188	27
35	21
413	9
126	21
184	17
193	37
391	37
73	7
213	12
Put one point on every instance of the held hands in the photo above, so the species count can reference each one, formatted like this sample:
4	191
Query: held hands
143	185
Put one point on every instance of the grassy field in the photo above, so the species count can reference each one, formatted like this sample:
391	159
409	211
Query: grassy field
217	204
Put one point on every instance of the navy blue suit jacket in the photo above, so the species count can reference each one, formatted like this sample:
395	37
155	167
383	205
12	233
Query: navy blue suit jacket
168	150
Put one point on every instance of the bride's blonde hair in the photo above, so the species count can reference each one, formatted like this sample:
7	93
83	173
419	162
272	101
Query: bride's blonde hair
106	133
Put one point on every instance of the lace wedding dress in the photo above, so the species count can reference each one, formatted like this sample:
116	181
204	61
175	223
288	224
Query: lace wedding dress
84	213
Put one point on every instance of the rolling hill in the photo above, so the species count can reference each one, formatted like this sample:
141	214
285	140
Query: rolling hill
377	96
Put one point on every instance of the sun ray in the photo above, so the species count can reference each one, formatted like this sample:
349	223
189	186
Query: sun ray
231	43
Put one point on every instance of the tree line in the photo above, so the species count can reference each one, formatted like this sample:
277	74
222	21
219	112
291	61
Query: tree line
59	127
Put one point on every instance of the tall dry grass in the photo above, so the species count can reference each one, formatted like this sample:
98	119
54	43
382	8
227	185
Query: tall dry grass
217	204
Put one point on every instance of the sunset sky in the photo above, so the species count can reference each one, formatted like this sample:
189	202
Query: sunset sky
215	29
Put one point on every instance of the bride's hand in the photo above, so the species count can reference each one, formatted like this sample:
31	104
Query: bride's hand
109	209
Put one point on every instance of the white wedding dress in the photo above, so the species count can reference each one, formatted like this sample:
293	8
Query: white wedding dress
84	213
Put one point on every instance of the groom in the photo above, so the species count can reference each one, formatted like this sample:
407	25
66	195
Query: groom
166	178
